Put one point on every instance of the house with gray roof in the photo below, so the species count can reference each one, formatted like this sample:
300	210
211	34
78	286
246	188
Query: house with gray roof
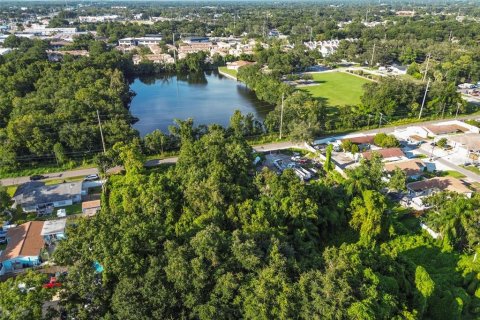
36	196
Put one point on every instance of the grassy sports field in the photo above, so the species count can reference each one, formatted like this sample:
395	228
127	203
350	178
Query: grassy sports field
338	88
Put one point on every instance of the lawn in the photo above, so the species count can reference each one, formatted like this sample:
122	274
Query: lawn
337	88
472	169
57	181
231	72
454	174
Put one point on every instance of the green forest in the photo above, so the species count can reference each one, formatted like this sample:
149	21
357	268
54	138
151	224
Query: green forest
210	238
213	236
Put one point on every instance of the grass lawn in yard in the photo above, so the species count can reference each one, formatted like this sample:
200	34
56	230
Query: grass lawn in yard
231	72
454	174
338	88
58	181
11	190
472	169
73	209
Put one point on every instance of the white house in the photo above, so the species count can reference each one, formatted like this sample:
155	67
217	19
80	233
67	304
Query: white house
36	196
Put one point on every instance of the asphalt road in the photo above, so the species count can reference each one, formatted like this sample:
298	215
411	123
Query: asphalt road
51	176
260	148
469	174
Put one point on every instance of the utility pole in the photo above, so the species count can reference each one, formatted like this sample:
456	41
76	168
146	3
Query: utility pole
380	122
174	49
281	115
373	55
101	132
424	98
368	123
426	69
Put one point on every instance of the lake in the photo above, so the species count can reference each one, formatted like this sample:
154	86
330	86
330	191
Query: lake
206	97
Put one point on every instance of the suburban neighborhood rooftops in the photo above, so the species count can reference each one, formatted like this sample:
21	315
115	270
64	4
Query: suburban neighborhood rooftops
439	183
33	193
361	139
410	167
385	153
241	63
446	129
51	227
24	240
417	138
469	140
90	204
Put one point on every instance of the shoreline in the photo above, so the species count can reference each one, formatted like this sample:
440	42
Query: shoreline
227	75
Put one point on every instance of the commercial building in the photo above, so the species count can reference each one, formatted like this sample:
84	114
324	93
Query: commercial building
142	41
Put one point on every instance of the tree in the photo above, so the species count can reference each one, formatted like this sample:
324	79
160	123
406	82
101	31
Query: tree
4	198
131	156
59	153
347	145
22	297
155	141
328	158
442	143
385	141
398	180
425	286
368	216
367	176
355	149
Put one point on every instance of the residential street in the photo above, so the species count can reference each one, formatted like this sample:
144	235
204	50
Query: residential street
260	148
469	174
51	176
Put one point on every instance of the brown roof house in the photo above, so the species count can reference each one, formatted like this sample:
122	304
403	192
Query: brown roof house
363	142
413	168
90	208
238	64
440	129
437	184
25	243
389	154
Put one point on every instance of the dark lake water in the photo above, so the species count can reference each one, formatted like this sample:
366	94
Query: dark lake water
206	97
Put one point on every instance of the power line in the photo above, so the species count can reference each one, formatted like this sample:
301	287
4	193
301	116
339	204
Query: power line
281	115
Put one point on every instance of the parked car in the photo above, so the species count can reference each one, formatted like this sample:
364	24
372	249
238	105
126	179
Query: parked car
37	177
91	177
53	283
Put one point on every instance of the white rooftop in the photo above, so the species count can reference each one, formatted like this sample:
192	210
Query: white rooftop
51	227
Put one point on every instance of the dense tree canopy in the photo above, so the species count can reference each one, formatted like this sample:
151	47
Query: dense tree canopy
209	238
44	104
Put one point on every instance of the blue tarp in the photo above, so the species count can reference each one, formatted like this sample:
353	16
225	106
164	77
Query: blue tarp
98	267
